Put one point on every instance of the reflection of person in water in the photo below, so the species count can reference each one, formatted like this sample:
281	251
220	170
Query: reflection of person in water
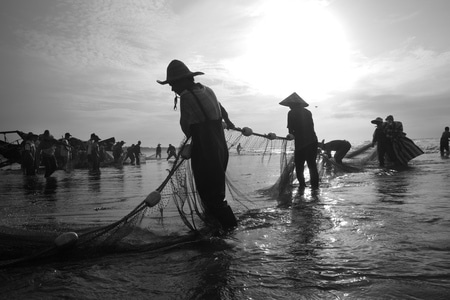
341	147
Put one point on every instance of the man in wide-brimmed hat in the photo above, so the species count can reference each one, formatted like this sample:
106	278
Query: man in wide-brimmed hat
300	123
201	117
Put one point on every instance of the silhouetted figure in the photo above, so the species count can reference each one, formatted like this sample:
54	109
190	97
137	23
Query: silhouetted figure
158	151
444	147
403	147
47	147
118	151
239	148
137	152
341	147
29	154
300	123
130	154
171	152
201	119
384	146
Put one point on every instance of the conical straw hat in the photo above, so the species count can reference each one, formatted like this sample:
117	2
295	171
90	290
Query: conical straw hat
294	99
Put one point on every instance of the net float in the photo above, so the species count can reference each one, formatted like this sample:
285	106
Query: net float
67	239
246	131
153	198
271	136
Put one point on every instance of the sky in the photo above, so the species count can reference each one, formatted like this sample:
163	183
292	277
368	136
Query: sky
91	66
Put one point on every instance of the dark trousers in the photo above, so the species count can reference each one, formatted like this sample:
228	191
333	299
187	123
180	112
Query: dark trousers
209	160
28	163
307	154
383	149
50	164
444	147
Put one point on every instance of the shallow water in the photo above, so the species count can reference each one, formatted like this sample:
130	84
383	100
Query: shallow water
377	234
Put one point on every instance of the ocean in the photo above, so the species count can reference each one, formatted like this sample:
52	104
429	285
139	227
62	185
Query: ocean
373	234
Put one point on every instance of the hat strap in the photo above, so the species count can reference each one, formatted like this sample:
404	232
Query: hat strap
175	100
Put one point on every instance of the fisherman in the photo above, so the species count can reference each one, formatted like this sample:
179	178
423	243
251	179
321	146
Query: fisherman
118	151
171	151
384	145
239	148
137	152
29	154
201	117
95	153
300	124
341	147
158	151
444	147
66	151
47	147
90	143
130	154
403	147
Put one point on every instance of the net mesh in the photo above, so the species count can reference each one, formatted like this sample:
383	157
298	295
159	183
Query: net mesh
178	188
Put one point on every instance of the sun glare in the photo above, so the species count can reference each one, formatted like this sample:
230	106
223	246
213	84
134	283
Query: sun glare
295	47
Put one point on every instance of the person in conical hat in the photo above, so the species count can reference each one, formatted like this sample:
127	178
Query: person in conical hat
300	123
201	117
294	99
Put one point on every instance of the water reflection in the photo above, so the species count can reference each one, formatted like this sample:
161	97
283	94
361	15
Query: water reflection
215	277
94	181
392	185
33	185
51	184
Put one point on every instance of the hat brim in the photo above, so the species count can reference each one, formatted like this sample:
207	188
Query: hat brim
294	99
191	74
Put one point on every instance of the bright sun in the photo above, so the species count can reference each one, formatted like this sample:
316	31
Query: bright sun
295	47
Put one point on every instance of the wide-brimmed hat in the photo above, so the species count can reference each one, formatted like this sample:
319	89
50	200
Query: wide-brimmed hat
177	70
377	120
294	99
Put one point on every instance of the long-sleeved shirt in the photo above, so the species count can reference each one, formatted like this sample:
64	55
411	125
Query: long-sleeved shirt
192	113
301	125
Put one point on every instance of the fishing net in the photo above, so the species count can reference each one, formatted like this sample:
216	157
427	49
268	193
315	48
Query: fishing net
177	188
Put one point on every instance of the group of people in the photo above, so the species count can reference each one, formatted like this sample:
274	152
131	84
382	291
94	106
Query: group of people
201	116
392	143
40	149
133	152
